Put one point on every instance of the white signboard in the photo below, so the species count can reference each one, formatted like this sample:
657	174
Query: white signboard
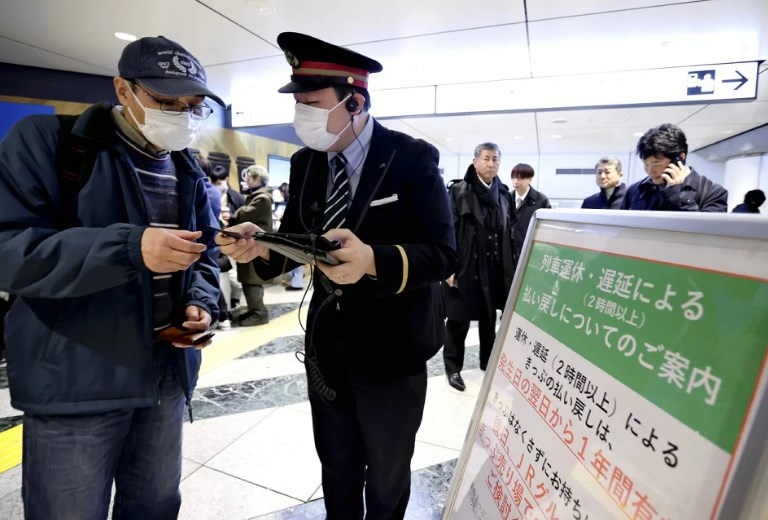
697	84
626	377
693	84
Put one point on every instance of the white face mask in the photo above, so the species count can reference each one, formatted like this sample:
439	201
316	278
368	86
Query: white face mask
167	131
311	125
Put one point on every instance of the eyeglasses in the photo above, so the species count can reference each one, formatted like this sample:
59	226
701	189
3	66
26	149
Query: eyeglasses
175	107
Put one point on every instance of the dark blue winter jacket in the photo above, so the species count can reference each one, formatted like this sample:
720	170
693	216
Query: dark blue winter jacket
695	193
600	201
80	332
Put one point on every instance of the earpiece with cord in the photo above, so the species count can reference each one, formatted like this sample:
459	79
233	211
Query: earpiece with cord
352	105
314	375
307	358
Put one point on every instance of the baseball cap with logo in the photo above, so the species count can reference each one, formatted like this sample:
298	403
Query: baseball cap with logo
165	67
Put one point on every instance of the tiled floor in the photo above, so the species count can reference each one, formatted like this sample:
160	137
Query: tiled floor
249	454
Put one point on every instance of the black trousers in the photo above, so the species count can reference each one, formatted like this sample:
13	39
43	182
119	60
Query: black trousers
365	440
453	351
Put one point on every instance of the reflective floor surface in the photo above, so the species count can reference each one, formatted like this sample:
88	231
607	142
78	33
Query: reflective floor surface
249	453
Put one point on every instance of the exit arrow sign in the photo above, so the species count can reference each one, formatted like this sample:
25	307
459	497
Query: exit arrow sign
740	80
716	82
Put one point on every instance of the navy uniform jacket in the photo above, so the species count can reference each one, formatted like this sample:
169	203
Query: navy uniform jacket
389	327
600	201
522	217
695	193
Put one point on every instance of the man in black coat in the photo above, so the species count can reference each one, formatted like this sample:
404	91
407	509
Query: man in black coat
608	177
527	201
377	317
481	215
671	185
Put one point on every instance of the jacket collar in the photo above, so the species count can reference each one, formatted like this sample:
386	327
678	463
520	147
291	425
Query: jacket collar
97	125
375	168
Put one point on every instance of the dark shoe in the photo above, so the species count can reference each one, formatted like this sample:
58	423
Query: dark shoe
457	382
249	320
292	288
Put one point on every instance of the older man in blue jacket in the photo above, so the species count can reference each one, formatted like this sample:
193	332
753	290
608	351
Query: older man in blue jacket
100	242
608	177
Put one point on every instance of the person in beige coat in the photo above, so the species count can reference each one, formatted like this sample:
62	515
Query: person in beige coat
258	210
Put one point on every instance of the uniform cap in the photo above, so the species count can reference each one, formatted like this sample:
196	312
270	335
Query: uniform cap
317	64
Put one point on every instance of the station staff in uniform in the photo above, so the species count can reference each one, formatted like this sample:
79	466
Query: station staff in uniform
375	319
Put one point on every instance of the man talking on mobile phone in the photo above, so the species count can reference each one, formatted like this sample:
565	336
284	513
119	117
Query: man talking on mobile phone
671	185
377	317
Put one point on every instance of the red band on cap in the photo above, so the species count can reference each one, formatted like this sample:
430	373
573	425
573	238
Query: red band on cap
319	68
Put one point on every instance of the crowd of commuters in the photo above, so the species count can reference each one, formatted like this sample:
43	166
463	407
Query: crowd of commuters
114	287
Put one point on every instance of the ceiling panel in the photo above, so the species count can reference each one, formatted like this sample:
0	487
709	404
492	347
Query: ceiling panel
749	115
462	133
451	126
52	25
587	140
702	135
466	56
589	130
674	35
250	82
367	22
19	54
404	126
427	42
411	62
631	119
543	9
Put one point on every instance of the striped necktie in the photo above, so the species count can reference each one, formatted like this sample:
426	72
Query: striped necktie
336	205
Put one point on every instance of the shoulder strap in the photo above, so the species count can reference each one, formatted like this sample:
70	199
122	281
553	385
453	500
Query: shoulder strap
457	187
74	158
453	183
702	190
74	165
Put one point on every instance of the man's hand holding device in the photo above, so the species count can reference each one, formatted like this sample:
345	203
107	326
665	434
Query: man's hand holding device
237	242
246	241
356	258
183	338
194	332
676	172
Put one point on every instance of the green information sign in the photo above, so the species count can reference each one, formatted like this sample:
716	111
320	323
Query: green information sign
690	341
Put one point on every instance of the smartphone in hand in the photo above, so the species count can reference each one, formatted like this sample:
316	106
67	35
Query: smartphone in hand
226	233
184	336
200	337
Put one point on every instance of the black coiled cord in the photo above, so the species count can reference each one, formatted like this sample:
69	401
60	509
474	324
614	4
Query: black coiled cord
314	375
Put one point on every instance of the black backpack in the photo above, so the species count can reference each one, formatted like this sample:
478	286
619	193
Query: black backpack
74	165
